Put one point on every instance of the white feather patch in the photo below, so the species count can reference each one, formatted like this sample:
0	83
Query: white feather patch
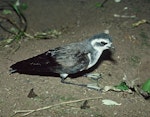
95	59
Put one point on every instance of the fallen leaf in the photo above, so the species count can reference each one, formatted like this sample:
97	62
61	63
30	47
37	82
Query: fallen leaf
85	105
32	94
122	86
110	102
146	86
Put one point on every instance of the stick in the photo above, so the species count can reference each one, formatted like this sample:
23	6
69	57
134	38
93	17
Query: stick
27	112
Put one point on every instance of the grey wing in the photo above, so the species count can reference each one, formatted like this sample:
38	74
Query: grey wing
71	58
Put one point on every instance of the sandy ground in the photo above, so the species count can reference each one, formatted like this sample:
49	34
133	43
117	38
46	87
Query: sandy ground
81	19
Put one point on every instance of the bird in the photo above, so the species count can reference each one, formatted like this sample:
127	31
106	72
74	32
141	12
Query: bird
67	59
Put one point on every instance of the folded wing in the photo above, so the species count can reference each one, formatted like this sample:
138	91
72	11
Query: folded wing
69	59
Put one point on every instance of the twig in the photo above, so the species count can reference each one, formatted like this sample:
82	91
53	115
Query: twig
143	21
21	27
11	22
27	112
20	15
28	35
124	16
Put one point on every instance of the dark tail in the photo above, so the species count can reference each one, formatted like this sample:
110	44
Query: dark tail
35	65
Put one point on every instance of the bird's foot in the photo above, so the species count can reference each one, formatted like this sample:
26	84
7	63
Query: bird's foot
94	76
94	86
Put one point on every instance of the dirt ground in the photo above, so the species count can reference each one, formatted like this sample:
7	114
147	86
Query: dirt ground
80	19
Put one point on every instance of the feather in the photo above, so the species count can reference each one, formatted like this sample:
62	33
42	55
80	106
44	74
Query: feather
68	59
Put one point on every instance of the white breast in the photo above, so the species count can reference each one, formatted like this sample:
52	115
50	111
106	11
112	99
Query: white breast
93	59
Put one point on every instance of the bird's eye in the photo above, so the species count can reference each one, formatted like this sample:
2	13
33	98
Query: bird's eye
101	43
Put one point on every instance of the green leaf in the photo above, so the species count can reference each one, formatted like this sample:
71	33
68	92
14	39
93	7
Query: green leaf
24	6
14	30
16	6
98	5
146	86
122	86
5	12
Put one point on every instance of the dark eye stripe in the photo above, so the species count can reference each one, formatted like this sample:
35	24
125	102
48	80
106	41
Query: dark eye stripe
103	43
100	43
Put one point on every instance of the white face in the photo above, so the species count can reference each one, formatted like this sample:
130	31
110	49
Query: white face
101	44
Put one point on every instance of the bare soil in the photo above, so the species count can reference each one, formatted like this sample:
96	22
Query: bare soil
80	19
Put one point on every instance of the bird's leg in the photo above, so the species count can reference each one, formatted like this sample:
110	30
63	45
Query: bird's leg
90	86
64	76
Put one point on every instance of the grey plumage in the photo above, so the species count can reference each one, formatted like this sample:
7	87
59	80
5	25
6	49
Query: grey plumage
67	59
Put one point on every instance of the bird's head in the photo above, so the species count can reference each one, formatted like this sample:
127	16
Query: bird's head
101	42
